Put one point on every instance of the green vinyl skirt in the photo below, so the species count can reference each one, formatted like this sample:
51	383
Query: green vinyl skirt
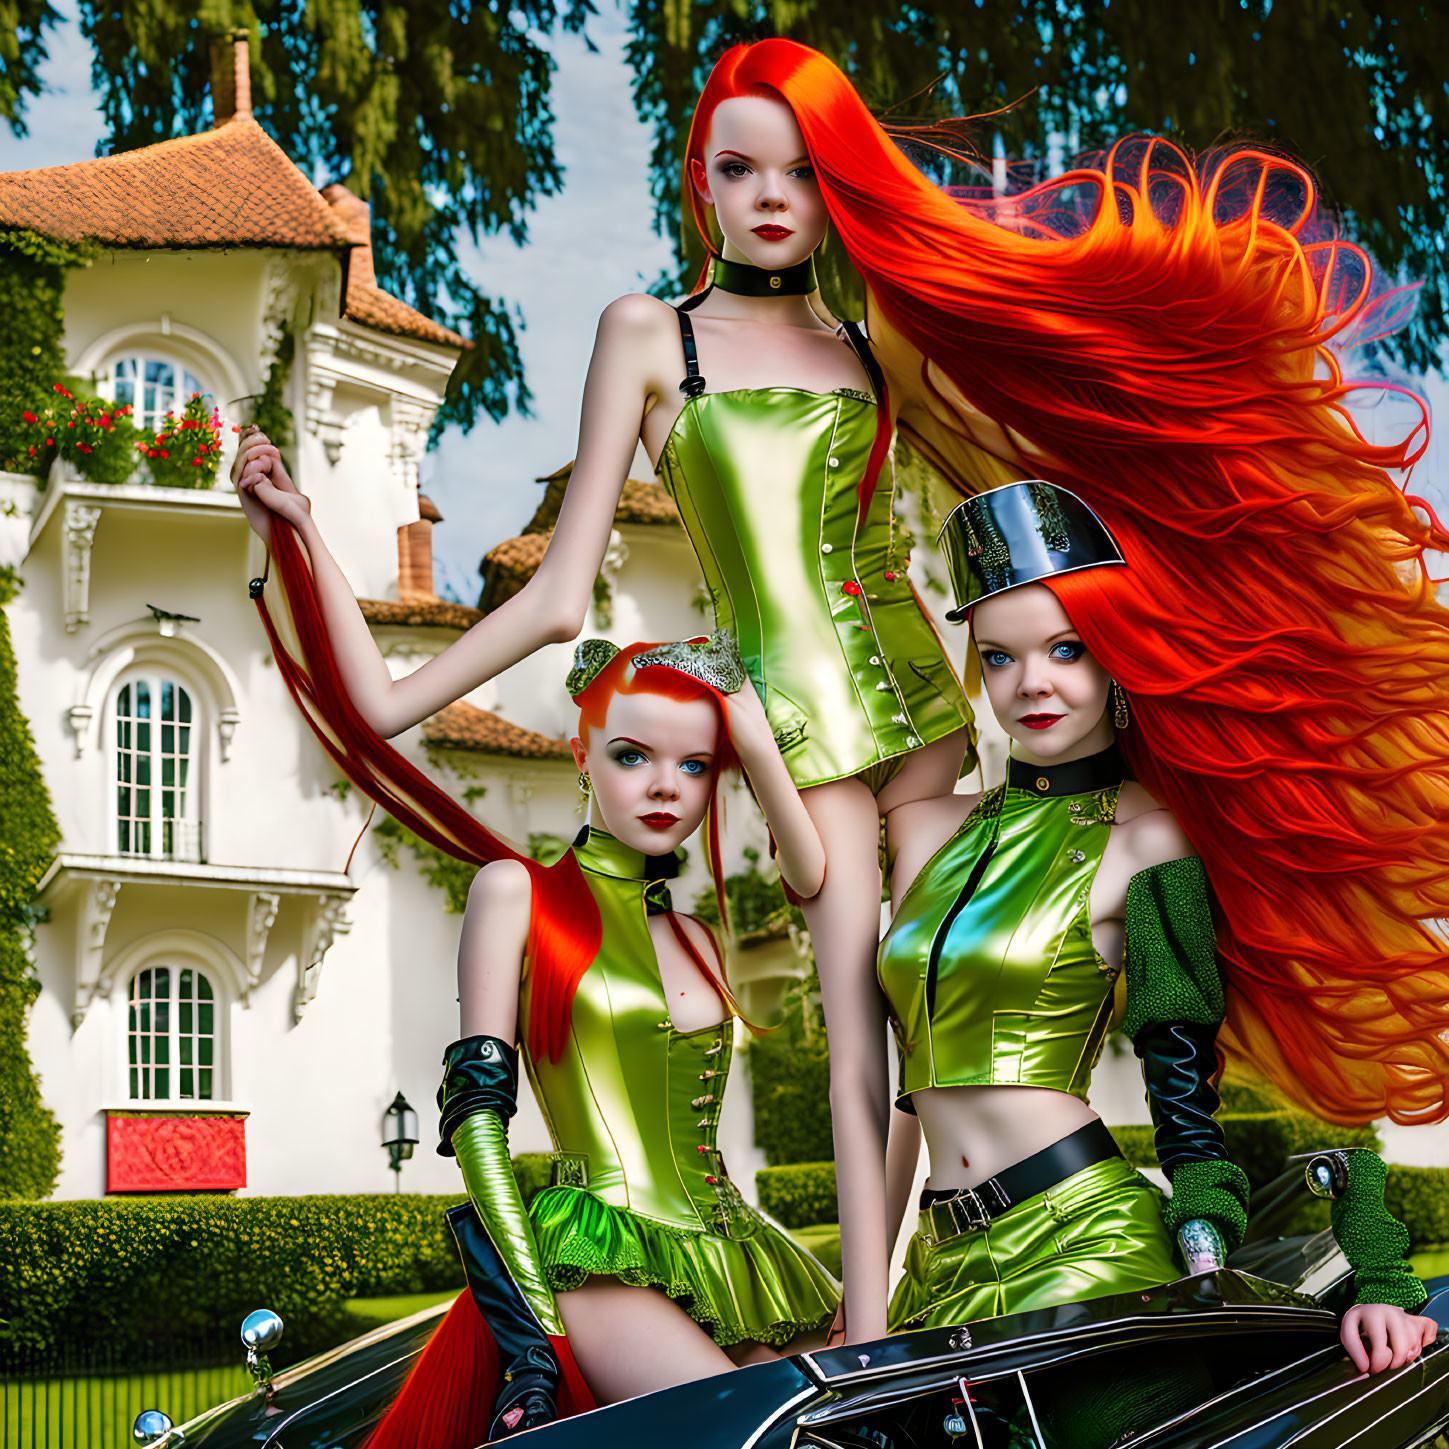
1095	1233
758	1285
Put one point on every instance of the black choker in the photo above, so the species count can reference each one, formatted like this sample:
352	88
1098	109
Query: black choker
1076	777
747	280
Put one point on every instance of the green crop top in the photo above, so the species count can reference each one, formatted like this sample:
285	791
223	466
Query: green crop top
989	966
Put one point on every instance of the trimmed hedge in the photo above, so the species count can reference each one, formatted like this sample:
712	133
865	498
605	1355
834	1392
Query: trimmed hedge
790	1071
171	1270
802	1194
1259	1142
798	1194
1419	1198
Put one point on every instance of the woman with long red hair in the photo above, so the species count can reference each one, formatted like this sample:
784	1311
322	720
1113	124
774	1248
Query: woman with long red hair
1150	333
1018	910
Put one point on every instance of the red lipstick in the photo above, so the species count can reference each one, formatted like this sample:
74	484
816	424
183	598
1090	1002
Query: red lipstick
660	820
1040	721
769	232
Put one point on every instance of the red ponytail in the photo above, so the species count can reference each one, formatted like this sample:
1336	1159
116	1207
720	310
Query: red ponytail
566	929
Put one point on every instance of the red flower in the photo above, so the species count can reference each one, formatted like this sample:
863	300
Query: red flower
30	417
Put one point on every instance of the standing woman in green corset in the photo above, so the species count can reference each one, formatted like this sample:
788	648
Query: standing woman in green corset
1016	913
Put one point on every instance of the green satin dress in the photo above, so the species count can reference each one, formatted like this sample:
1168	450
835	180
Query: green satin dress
992	978
767	481
640	1192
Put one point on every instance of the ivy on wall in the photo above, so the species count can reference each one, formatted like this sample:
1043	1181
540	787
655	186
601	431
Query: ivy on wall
32	288
29	1134
271	413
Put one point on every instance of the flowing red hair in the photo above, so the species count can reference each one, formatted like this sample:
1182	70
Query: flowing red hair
565	930
1155	333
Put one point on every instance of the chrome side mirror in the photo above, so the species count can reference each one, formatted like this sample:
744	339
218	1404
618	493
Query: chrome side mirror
152	1427
1327	1174
260	1331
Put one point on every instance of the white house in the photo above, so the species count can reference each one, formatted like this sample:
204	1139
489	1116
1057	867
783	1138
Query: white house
235	984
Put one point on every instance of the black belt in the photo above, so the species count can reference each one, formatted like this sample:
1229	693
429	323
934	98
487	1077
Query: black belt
948	1214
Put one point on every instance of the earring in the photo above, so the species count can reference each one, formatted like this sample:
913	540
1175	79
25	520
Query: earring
585	785
1120	717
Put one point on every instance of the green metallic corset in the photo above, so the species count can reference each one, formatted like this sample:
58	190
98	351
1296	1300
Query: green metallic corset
633	1105
989	966
767	483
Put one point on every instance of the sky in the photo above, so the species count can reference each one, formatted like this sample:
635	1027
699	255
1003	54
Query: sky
482	481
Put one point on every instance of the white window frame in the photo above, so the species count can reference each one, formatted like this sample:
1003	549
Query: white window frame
151	420
182	830
144	1074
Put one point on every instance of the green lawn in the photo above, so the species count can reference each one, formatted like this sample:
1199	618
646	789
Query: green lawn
97	1413
1431	1262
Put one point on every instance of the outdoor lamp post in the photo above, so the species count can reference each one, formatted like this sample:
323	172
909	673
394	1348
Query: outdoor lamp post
399	1136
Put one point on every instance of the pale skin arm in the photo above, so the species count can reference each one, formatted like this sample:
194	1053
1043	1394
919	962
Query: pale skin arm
903	1148
553	605
798	851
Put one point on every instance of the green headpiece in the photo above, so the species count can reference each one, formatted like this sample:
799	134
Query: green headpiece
1020	534
712	659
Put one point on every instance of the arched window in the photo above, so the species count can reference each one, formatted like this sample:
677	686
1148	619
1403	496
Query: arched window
156	748
154	384
171	1035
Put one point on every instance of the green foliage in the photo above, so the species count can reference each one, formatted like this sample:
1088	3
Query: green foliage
1356	90
32	285
22	50
186	451
29	1135
171	1268
1260	1142
439	116
798	1194
1419	1198
790	1070
271	413
545	847
442	871
756	902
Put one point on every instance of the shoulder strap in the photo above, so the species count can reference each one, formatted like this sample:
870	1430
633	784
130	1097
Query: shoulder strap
693	383
867	358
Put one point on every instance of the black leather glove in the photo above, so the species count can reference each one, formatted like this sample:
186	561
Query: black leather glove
500	1258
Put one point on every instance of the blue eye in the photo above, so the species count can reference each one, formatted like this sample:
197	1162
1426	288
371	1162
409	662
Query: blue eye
1069	650
995	658
694	767
629	757
805	173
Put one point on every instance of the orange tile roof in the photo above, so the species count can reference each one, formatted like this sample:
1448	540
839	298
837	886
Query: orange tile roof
640	502
439	614
509	566
464	726
366	301
230	186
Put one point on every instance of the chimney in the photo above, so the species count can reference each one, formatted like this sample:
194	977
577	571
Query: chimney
415	555
231	78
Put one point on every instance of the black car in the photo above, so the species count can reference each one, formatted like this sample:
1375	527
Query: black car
1247	1357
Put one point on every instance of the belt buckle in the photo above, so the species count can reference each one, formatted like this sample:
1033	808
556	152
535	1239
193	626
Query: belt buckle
970	1205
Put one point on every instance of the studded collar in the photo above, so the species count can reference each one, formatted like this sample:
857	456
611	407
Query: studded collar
1075	777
